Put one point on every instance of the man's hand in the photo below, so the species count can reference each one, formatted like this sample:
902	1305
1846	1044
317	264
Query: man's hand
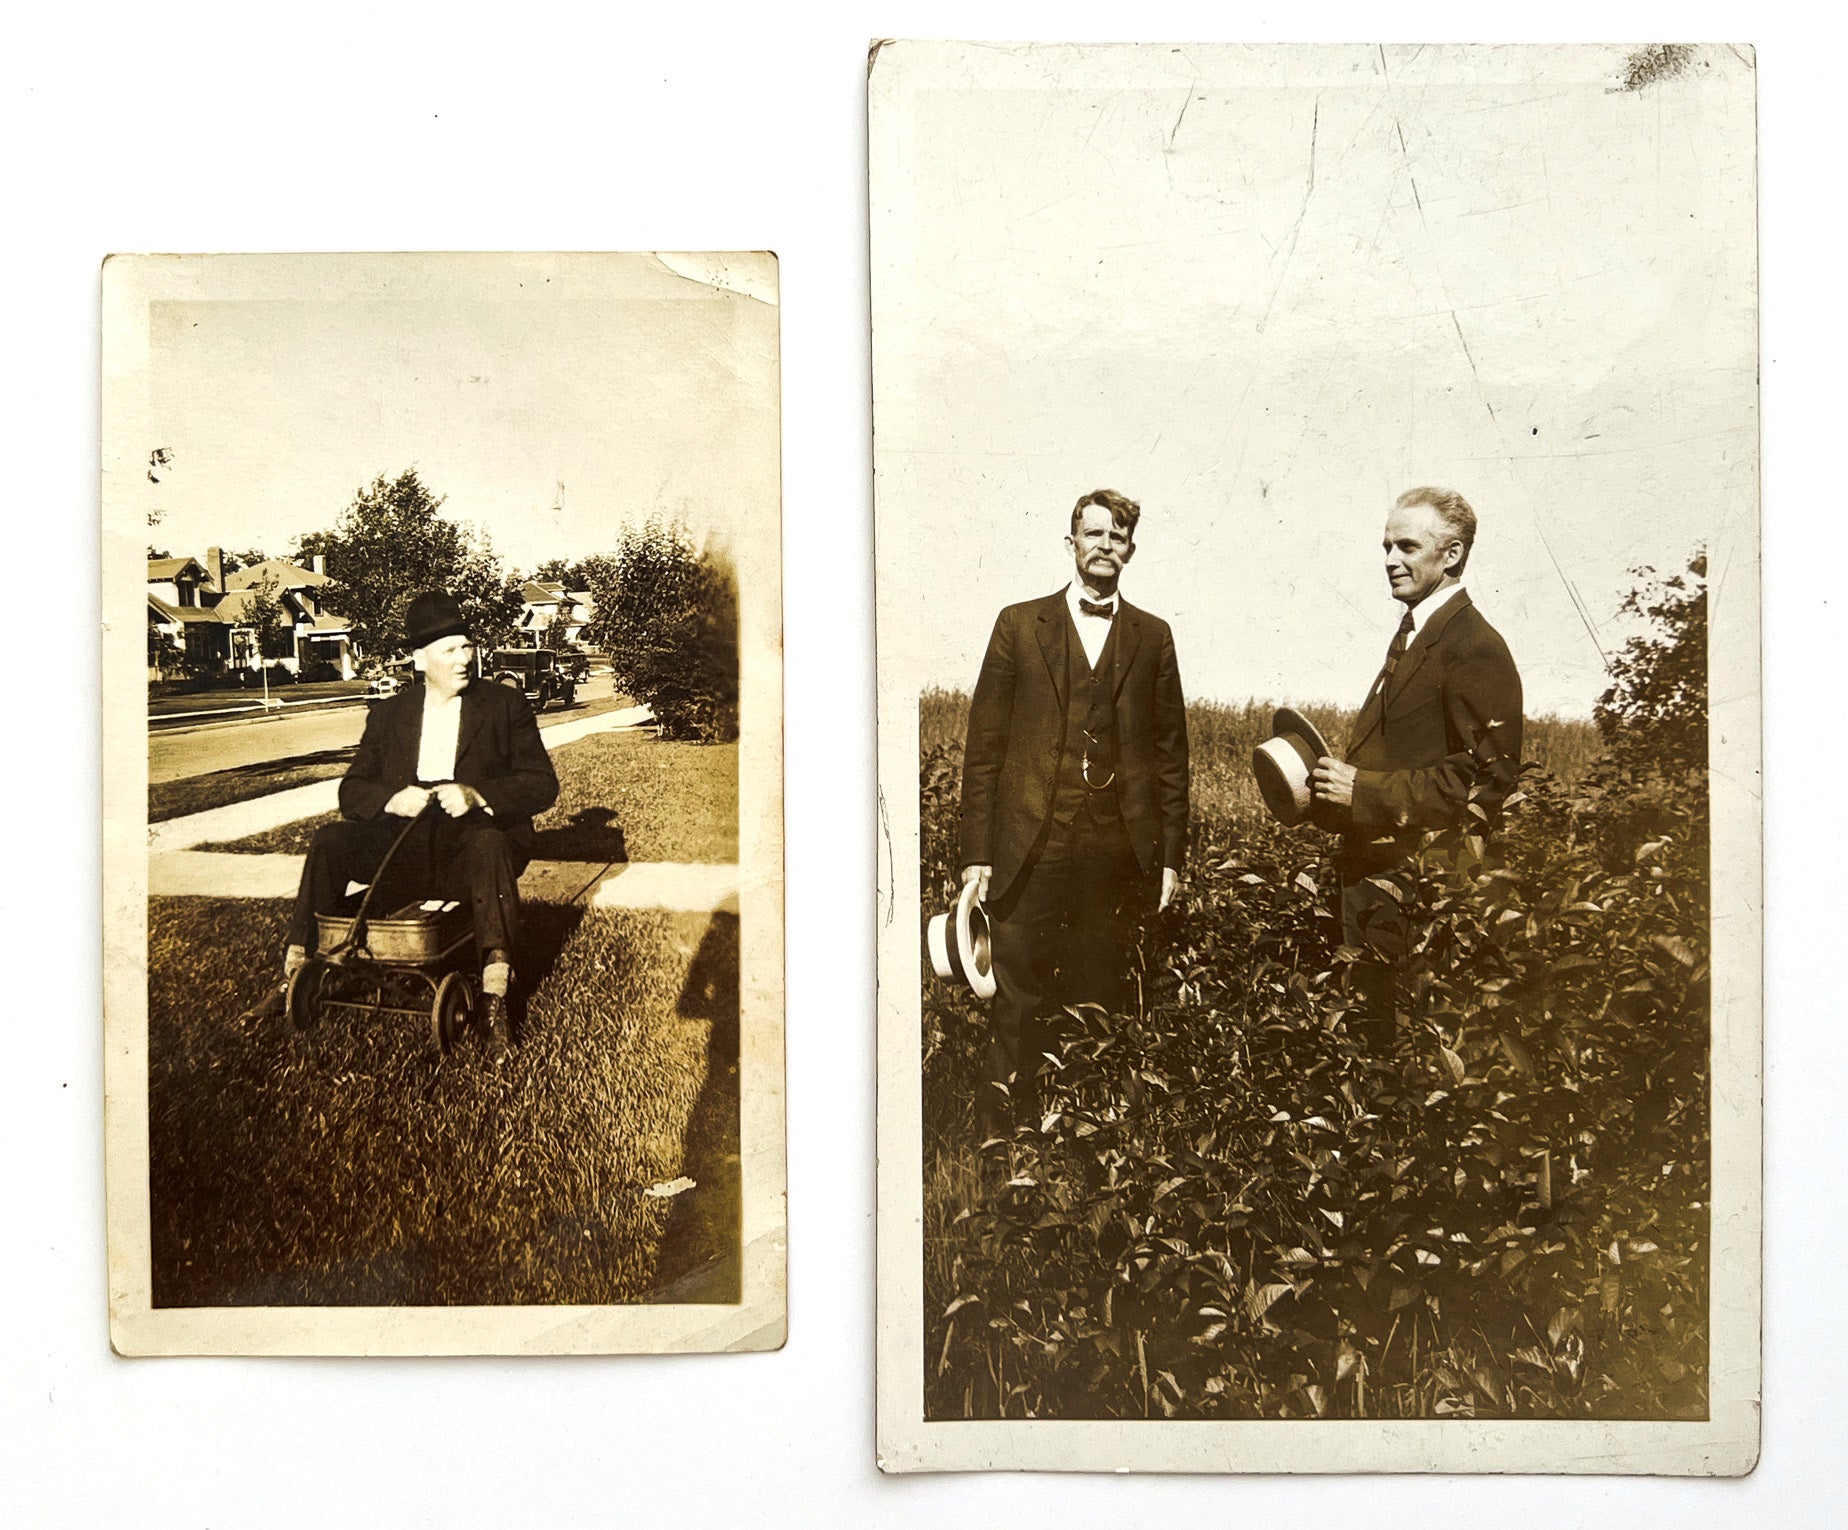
457	800
981	875
408	802
1333	782
1170	884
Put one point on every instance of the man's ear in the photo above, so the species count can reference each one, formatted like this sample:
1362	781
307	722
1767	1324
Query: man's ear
1129	551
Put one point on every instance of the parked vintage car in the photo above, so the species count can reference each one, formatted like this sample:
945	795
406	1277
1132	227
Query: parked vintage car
384	680
536	673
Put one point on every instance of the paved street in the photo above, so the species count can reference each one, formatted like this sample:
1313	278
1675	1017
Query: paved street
175	752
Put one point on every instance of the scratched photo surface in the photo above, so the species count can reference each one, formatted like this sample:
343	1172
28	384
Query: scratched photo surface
443	805
1262	293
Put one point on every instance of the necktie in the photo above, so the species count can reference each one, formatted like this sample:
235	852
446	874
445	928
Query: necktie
1401	640
1103	608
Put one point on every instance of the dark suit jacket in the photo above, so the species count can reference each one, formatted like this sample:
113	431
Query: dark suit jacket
498	752
1017	732
1446	725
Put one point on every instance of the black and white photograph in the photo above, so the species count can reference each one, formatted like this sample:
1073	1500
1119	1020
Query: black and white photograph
443	807
1316	502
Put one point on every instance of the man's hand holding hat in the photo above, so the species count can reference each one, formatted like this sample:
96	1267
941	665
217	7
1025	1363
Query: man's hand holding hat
1333	782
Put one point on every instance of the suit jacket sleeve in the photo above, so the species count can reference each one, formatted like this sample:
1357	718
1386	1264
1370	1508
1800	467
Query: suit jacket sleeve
1171	775
1482	715
985	747
365	789
529	784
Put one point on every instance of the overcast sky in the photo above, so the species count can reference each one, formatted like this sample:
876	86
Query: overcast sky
497	378
1263	291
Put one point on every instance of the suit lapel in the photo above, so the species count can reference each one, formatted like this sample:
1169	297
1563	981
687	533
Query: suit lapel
1422	646
1052	624
1370	714
474	714
408	734
1128	637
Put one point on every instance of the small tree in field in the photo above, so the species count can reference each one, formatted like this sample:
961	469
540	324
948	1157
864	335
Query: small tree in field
667	615
1653	717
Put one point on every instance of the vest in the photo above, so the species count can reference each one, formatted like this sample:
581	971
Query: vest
1090	733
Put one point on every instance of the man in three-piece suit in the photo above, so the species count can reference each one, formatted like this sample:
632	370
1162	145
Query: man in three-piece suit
462	762
1440	729
1074	796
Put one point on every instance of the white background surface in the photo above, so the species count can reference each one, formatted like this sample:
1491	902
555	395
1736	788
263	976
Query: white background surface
563	127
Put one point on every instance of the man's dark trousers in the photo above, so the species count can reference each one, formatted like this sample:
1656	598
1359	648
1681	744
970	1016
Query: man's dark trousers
469	859
1059	938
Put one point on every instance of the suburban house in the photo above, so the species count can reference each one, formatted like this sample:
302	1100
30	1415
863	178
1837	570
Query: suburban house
320	636
201	611
542	602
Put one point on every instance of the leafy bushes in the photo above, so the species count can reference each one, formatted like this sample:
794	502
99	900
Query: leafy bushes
1232	1208
667	615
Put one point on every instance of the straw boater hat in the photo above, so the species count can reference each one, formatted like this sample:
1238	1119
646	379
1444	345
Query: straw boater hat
1283	765
959	945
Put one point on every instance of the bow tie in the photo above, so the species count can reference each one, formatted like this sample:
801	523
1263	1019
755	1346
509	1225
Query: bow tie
1103	608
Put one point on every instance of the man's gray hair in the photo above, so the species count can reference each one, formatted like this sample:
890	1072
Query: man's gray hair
1452	509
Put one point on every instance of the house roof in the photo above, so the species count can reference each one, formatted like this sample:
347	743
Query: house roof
235	606
171	568
536	593
279	571
189	616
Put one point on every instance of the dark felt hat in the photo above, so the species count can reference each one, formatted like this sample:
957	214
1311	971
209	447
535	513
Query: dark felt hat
1284	763
433	615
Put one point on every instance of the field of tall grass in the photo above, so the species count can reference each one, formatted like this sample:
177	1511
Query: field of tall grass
1221	736
1233	1208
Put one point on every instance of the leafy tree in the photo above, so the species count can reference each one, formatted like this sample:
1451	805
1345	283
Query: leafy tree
1653	717
557	634
250	557
560	571
268	622
165	651
667	615
391	543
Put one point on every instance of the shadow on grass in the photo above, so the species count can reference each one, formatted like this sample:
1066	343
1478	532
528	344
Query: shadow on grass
354	1165
590	834
545	930
701	1253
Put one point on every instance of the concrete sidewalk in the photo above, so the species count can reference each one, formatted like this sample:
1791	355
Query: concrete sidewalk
259	815
675	886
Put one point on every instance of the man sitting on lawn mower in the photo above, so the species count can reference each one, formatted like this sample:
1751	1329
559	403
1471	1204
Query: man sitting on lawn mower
471	752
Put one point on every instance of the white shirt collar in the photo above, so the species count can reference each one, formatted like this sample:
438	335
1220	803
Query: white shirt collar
1074	592
438	743
1431	605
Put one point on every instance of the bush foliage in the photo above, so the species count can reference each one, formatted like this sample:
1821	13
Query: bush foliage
1231	1208
667	615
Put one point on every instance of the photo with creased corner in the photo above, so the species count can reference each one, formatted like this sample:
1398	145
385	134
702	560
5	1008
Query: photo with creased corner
1305	483
442	736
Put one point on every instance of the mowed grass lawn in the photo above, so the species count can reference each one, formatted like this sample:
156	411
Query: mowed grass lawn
354	1165
625	796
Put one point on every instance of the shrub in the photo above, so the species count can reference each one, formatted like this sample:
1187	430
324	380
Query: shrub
667	615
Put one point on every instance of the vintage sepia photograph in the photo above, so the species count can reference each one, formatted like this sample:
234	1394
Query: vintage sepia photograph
442	820
1317	580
